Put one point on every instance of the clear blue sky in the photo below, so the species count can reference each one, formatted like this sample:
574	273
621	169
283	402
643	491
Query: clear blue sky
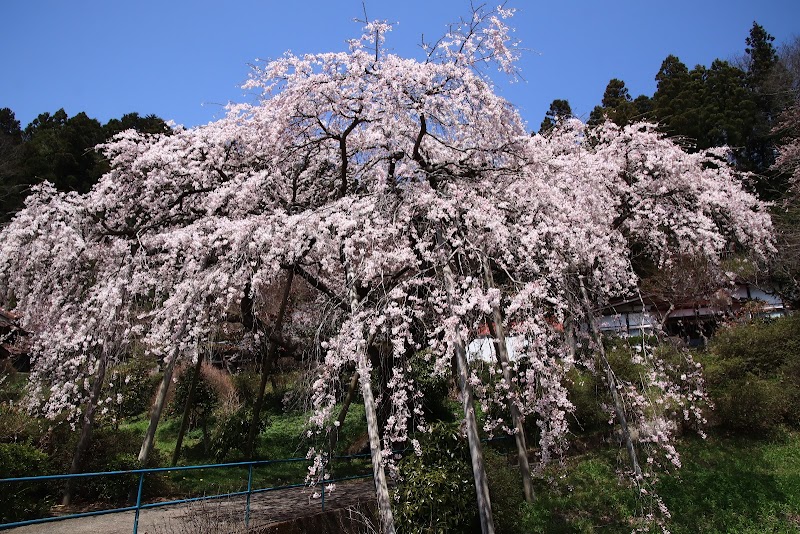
182	59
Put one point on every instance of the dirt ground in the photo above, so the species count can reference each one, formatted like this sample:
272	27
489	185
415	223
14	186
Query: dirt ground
216	516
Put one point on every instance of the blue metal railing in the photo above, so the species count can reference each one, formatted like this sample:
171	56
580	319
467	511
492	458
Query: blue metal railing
142	472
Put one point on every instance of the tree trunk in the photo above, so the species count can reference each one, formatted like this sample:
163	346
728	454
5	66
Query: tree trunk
267	364
86	428
467	402
378	473
364	376
187	408
518	420
348	399
158	407
619	407
206	437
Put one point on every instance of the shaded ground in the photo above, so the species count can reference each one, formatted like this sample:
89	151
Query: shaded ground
215	516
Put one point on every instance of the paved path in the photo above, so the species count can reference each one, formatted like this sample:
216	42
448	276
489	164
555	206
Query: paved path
215	516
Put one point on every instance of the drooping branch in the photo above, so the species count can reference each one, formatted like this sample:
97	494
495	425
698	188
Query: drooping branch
267	362
497	331
613	385
467	398
364	377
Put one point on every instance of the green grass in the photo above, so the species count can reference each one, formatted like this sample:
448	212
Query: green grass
583	495
736	485
726	485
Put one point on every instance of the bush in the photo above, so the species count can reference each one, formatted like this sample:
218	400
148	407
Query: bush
761	347
230	431
17	426
204	400
134	383
751	404
435	388
436	490
246	385
587	394
117	450
12	383
753	375
20	501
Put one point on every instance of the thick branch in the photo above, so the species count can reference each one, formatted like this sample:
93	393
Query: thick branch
318	284
343	153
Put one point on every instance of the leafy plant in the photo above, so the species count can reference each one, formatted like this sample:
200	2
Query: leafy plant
133	383
230	431
117	450
435	492
434	387
753	374
23	500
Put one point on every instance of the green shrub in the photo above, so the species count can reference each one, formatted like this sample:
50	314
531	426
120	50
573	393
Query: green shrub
12	383
761	347
753	375
587	394
246	385
135	382
751	404
24	500
281	383
231	429
436	491
435	388
204	399
117	450
17	426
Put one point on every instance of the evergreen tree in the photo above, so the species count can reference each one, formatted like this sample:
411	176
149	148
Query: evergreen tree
642	107
9	125
728	110
559	110
151	124
11	185
676	100
762	56
770	85
60	150
618	106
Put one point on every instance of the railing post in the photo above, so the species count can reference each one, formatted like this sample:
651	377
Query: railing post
138	504
323	486
249	492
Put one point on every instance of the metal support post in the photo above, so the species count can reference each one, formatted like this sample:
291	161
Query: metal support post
249	492
138	504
